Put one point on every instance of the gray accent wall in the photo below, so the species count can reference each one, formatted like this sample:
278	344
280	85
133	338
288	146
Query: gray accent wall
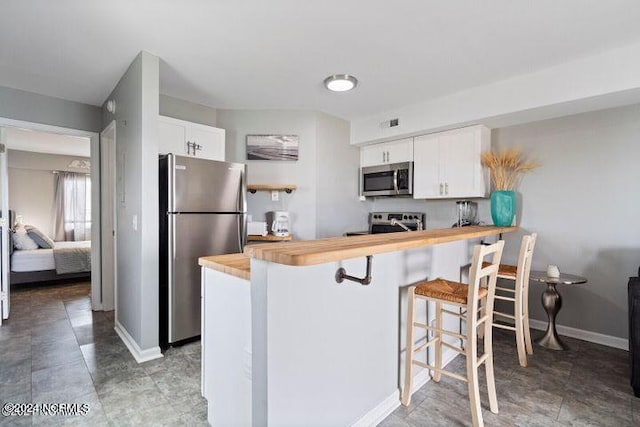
583	203
185	110
31	107
325	203
137	107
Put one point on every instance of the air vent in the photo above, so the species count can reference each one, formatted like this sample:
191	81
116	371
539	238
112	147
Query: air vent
390	123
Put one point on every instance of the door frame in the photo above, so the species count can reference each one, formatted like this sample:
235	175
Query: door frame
96	224
108	210
4	238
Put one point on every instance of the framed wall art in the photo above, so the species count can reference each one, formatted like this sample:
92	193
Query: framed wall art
273	147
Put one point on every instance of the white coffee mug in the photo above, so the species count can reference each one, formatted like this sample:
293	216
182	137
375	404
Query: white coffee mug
553	271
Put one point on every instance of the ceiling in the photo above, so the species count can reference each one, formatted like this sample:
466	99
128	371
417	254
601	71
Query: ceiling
275	54
50	143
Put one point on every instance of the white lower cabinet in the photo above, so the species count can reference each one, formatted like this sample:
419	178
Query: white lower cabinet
226	348
190	139
447	164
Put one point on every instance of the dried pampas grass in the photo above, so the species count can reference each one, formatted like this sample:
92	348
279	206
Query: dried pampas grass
506	167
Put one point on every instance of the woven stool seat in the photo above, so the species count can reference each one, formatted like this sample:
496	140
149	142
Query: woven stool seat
447	290
504	269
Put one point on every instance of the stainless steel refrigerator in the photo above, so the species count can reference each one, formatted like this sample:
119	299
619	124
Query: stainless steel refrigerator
202	213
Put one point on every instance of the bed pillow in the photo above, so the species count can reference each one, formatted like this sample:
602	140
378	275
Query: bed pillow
39	237
22	241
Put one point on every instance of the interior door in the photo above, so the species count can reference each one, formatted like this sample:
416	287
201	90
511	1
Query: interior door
4	228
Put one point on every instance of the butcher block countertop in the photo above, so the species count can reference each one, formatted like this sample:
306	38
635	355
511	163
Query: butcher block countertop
238	265
310	252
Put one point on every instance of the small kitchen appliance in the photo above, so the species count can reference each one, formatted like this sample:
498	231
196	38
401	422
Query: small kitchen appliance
395	179
279	223
467	213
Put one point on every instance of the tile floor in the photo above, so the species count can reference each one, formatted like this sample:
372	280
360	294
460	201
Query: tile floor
585	386
55	349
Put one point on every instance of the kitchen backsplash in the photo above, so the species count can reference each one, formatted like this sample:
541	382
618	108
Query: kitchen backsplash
440	213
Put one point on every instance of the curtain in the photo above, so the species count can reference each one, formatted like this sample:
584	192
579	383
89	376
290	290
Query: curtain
72	207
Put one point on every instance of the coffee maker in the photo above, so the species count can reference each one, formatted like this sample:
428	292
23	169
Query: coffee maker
278	223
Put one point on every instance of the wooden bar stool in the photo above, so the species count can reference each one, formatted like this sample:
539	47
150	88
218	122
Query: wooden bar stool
519	296
468	297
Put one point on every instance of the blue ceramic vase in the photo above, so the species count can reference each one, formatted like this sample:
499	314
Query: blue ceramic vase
503	207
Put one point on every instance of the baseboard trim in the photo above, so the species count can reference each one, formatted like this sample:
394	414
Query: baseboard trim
135	350
388	405
380	412
581	334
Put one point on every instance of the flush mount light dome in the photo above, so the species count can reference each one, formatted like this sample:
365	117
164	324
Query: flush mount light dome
340	82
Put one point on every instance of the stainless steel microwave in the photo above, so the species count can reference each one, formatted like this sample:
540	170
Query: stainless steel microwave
395	179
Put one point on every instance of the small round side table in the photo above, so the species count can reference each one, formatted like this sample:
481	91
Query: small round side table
552	302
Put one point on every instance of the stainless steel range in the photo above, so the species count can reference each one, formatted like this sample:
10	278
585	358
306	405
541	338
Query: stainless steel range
392	222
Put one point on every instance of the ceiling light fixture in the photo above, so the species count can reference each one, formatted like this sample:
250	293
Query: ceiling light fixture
340	82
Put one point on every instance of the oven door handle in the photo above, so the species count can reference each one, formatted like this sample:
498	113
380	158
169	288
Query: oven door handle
395	181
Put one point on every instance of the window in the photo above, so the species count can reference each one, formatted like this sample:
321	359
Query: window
72	207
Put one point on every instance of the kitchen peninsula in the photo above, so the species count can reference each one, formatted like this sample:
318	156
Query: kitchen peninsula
285	344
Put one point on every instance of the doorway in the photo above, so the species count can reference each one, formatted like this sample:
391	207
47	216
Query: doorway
9	128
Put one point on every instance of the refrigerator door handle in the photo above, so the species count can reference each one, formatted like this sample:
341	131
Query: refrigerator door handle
242	193
242	237
171	172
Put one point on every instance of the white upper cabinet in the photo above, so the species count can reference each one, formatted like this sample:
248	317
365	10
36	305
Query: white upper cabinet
190	139
447	164
388	152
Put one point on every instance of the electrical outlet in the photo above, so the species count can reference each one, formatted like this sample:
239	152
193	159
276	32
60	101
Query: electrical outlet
274	196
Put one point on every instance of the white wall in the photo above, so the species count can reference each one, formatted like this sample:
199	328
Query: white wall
31	185
583	203
137	107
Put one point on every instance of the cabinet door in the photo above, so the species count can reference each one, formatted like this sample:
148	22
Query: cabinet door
172	137
461	162
399	151
373	155
211	141
426	167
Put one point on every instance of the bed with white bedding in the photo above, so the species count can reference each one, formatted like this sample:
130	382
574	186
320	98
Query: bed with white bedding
67	260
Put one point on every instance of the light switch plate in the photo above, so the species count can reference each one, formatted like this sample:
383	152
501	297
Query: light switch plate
274	196
134	222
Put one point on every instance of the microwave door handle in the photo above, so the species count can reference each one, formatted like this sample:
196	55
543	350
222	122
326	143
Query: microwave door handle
395	181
